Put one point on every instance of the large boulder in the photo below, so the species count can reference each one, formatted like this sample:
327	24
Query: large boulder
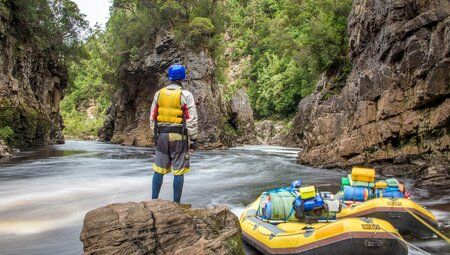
160	227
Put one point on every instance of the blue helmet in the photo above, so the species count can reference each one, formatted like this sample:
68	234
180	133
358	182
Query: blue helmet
296	184
176	72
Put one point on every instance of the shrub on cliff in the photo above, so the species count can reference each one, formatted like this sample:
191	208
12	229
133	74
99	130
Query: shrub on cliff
6	132
18	124
201	30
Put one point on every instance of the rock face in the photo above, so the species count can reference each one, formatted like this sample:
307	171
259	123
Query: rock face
394	110
31	87
275	133
160	227
128	118
5	151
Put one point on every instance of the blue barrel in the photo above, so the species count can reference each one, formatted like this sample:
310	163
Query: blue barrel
298	202
356	193
392	193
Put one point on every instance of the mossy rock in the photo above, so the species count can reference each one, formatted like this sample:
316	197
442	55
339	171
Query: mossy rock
235	245
43	130
26	122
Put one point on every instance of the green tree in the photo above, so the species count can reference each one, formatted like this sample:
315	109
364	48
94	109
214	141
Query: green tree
55	25
201	29
68	26
290	43
89	90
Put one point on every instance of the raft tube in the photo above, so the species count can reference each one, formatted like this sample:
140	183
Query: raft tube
347	236
397	211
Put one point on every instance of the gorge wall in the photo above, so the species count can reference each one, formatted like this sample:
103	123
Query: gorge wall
221	123
394	110
31	86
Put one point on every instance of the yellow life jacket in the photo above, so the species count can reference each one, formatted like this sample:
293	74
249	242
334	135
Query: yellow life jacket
169	106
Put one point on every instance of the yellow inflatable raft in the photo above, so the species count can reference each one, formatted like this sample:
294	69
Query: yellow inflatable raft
346	236
404	214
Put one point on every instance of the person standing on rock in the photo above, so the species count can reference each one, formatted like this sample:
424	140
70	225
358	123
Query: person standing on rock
174	122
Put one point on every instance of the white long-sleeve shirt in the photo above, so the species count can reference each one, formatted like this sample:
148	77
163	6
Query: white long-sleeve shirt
191	116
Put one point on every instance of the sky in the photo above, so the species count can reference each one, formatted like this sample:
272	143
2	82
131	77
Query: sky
95	10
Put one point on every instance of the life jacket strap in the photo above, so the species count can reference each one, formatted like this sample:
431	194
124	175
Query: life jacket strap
169	129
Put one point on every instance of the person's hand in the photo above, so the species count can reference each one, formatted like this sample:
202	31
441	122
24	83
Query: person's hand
192	146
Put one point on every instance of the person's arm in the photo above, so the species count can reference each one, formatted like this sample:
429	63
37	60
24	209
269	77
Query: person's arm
191	116
153	111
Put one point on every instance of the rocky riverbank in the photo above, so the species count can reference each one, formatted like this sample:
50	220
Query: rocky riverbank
161	227
394	110
31	86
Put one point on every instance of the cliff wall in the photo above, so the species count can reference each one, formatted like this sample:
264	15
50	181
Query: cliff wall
31	86
221	122
394	110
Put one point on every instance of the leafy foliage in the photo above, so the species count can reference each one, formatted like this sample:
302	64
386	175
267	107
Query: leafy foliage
89	91
77	124
133	21
6	132
290	43
200	30
55	25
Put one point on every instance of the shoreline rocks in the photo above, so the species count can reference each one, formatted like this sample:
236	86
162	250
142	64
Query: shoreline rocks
161	227
394	109
5	151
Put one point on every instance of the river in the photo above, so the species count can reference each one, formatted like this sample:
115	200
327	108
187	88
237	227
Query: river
46	191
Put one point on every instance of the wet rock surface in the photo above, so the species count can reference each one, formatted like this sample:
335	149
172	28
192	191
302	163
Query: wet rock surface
31	87
240	124
160	227
219	120
394	108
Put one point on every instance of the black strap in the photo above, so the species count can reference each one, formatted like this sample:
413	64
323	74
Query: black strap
170	129
156	129
185	131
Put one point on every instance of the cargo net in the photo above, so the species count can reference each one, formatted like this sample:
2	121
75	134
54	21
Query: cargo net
304	204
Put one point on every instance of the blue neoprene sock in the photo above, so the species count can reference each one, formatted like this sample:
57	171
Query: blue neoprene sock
178	181
156	184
